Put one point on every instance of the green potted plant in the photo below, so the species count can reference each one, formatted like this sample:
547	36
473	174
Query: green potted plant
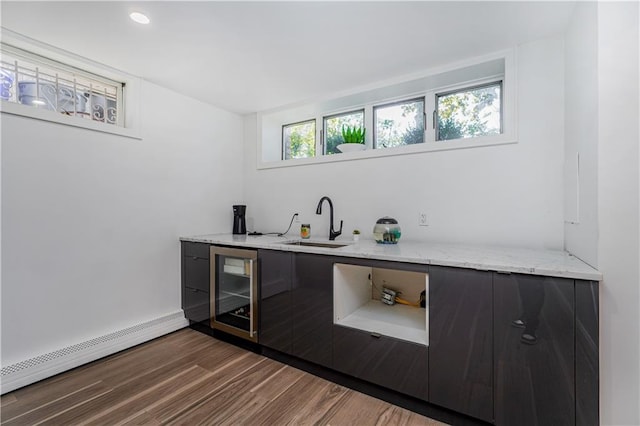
356	235
353	137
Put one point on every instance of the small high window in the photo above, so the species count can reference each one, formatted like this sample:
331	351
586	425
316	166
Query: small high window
38	82
469	112
299	140
463	107
400	123
333	128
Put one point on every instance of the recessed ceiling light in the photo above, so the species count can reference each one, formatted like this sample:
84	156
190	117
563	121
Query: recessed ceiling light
140	18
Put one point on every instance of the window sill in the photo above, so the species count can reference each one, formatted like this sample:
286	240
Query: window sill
401	150
55	117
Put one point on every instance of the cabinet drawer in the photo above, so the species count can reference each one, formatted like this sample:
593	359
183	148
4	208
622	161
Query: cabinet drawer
385	361
196	273
195	250
196	304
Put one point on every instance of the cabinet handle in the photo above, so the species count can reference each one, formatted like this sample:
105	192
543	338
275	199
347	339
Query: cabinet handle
376	335
195	257
193	289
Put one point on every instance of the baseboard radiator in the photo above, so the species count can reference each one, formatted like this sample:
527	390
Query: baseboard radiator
43	366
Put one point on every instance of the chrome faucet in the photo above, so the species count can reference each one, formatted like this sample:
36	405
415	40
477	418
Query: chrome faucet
332	234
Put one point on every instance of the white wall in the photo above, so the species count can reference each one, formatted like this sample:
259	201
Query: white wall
91	221
619	211
508	195
581	133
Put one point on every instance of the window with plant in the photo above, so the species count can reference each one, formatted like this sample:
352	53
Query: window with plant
468	105
466	112
334	125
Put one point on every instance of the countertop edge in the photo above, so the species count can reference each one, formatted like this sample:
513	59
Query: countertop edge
581	270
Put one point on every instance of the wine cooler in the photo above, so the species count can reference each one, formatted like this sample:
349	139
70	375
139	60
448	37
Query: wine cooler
234	291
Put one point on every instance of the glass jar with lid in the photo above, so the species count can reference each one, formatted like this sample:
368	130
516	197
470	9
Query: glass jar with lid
387	231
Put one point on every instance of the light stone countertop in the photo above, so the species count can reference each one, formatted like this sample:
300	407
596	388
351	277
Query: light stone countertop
553	263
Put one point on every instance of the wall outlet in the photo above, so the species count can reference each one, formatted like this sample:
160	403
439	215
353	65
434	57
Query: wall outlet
422	219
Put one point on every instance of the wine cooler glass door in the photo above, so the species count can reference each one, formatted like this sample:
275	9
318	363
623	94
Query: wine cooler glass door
234	291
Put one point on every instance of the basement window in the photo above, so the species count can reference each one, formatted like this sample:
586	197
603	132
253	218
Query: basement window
467	105
299	140
469	112
332	130
53	89
399	123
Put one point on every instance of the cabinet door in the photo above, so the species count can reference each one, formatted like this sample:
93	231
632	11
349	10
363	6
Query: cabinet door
275	300
460	340
385	361
195	281
196	273
195	304
534	350
312	315
587	358
190	249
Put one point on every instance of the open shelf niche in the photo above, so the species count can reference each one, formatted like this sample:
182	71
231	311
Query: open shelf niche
356	301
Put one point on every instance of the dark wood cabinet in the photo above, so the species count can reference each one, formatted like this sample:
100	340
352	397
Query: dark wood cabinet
195	281
587	358
385	361
534	350
460	340
505	348
312	308
275	330
296	305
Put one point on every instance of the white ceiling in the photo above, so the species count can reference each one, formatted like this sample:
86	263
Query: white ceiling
254	56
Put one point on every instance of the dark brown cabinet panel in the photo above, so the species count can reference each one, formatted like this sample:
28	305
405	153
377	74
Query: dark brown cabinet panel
275	330
534	350
197	272
195	304
385	361
190	249
587	359
312	308
460	340
195	281
510	349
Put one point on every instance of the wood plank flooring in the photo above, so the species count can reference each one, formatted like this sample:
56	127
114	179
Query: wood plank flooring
188	378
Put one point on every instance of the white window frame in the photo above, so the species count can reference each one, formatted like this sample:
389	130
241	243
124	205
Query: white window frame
265	120
129	104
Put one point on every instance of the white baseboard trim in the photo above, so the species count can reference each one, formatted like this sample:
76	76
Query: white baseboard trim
29	371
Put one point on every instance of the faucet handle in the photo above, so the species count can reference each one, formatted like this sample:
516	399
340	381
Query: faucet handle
334	234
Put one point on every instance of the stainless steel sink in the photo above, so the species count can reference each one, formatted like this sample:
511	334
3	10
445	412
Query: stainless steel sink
314	244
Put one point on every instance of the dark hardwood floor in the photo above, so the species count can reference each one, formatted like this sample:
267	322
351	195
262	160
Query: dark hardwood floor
188	378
